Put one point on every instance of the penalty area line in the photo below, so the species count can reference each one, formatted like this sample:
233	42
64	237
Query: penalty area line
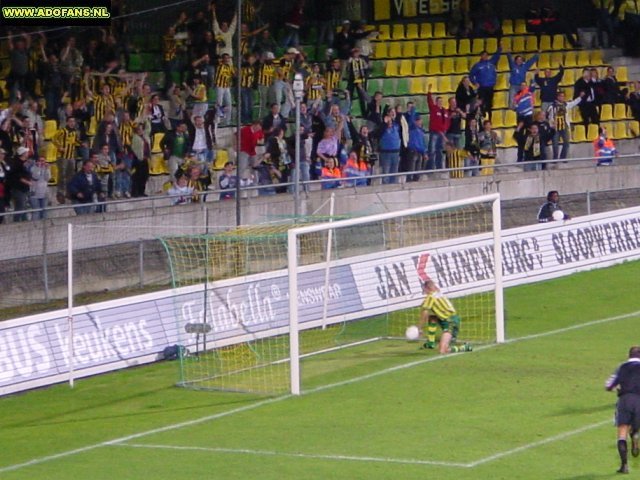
261	403
315	456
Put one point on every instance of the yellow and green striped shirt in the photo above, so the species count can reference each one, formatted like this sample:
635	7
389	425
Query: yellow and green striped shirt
266	74
224	76
66	142
439	305
333	79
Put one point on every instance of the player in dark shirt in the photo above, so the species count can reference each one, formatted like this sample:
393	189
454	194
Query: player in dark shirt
627	379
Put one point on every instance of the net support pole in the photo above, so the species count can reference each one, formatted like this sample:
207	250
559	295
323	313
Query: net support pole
70	353
327	268
294	347
497	255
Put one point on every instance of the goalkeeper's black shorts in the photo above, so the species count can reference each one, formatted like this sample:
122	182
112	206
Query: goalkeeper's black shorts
628	410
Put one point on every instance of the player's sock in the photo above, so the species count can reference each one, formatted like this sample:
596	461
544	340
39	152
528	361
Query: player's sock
461	348
622	450
431	333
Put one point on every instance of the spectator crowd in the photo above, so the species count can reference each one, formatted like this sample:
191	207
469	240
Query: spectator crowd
109	129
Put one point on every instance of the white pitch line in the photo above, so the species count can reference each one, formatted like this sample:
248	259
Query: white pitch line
175	426
317	456
539	443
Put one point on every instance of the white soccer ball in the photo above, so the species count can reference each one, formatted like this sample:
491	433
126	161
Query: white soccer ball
412	333
558	215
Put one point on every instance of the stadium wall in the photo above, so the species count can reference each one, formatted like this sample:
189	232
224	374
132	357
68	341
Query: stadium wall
133	331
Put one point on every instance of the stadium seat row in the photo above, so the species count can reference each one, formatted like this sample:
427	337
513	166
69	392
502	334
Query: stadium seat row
413	31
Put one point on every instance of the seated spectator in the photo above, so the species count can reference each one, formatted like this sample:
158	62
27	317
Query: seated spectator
273	121
266	173
4	188
19	183
633	101
328	146
604	149
228	182
85	189
545	214
357	169
40	176
104	167
330	171
122	174
181	192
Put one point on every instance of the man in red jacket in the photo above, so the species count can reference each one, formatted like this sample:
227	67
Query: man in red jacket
438	125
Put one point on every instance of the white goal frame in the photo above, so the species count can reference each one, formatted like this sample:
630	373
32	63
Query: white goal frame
292	256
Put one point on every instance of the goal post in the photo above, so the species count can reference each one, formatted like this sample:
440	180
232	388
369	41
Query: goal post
463	239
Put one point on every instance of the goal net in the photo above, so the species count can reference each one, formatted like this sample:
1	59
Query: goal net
258	304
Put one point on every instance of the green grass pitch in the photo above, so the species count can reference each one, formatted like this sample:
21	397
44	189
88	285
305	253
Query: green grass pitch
534	408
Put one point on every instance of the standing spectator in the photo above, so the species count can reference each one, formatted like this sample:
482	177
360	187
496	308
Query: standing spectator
224	78
247	88
40	176
52	83
202	140
170	57
465	93
389	147
104	167
264	43
629	15
104	103
558	114
375	111
273	121
604	148
208	51
250	136
546	132
456	115
471	142
518	73
520	136
357	169
141	148
548	86
323	13
611	92
5	169
177	105
533	149
417	148
344	41
266	75
488	142
122	174
19	181
485	74
277	148
66	140
333	75
315	86
587	107
523	104
19	66
605	22
633	101
292	25
85	189
363	146
438	126
175	145
198	93
157	116
70	62
357	72
224	33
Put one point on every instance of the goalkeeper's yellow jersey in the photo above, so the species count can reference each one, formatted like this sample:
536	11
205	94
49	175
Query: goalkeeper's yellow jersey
439	305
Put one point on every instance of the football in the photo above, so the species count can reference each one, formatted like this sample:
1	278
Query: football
412	333
558	215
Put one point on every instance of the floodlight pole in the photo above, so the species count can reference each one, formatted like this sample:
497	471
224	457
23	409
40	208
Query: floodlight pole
298	92
70	333
238	107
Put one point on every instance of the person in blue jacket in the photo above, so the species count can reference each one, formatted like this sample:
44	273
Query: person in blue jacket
518	73
485	74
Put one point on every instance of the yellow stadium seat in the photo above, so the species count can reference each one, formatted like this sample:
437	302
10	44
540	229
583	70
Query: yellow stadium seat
622	74
398	31
50	152
50	127
570	59
520	27
491	45
596	57
556	59
157	138
620	130
545	43
422	49
558	42
579	134
420	67
477	46
439	30
503	82
406	68
544	61
437	48
620	111
507	140
503	64
576	116
606	112
592	132
517	44
634	128
157	164
426	30
391	68
510	118
380	50
568	77
501	99
531	43
450	48
412	32
384	32
464	47
53	181
462	65
506	44
93	125
395	50
417	86
433	66
408	49
497	118
433	83
583	58
447	66
445	85
507	27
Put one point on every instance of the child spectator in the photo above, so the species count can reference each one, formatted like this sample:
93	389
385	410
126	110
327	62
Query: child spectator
357	169
330	171
181	192
604	148
228	182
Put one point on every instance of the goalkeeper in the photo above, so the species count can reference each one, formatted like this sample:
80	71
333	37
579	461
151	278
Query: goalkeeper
438	310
